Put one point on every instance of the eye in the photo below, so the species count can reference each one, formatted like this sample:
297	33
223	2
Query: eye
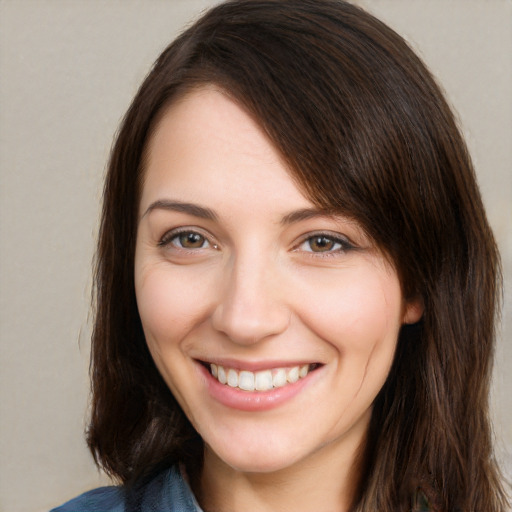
324	243
190	240
185	240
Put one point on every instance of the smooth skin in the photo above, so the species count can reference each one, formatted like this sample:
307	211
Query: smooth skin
233	263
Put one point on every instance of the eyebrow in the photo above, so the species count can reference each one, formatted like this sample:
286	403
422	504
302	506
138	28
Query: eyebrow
179	206
305	214
206	213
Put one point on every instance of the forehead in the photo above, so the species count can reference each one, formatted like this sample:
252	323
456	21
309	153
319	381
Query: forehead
208	113
206	144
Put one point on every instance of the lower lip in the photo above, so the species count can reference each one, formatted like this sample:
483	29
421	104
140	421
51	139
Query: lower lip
236	398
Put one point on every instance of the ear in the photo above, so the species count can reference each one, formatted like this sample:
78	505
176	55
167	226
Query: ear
413	310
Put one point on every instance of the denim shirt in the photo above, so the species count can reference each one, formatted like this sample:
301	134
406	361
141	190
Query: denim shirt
168	492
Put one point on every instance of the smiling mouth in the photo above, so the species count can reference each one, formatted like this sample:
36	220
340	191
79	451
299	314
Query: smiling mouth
264	380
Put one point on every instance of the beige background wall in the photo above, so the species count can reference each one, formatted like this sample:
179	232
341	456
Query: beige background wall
68	69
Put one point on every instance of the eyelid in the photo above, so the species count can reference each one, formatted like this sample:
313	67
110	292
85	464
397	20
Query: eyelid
343	240
169	235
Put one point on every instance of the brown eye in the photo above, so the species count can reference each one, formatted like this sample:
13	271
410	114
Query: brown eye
321	243
325	244
190	240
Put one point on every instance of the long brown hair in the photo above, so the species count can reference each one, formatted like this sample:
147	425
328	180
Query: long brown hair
366	133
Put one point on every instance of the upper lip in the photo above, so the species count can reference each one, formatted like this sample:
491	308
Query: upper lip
255	366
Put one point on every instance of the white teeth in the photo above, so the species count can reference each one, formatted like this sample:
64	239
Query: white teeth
279	378
293	374
232	378
221	375
264	380
246	381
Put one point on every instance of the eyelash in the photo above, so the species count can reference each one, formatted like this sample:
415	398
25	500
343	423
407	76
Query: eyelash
341	244
168	238
344	245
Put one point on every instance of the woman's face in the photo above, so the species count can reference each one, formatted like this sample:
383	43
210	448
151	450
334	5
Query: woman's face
237	273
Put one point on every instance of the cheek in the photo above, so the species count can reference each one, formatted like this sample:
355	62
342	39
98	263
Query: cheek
359	319
358	313
171	300
170	305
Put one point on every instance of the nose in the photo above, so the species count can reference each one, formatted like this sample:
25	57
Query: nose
250	307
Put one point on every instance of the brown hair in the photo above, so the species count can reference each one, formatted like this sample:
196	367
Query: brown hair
367	133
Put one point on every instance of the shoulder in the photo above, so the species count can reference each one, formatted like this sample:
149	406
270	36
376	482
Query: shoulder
167	491
103	499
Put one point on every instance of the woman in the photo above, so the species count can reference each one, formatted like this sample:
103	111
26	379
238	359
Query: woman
296	282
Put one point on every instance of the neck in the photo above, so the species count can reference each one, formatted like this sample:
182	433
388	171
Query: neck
327	480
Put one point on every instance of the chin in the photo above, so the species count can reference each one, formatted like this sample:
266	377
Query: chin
266	458
262	465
